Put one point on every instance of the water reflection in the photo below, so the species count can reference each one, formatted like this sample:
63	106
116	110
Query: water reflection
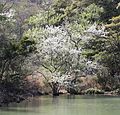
16	110
65	105
70	96
55	100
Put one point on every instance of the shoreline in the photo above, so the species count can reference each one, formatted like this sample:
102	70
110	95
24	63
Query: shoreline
24	97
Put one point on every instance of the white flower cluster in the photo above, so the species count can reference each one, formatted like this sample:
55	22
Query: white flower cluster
97	30
91	67
57	42
8	14
57	52
61	79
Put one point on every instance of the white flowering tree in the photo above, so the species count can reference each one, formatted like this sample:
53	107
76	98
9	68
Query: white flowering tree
56	53
59	49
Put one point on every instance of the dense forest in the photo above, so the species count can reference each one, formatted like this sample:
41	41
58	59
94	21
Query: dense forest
59	46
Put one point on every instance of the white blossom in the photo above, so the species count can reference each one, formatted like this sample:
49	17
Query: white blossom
8	14
57	53
94	30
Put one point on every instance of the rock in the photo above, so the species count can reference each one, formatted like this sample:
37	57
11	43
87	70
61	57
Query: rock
63	91
92	91
37	85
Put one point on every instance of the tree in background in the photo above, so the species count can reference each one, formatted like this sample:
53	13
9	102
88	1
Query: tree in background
13	52
105	50
72	38
60	46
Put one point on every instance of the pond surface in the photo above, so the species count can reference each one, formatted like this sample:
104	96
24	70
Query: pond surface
65	105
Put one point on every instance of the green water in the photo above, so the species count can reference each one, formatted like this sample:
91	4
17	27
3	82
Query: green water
65	105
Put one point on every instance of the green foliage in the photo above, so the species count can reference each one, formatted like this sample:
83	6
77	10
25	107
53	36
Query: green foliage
2	17
19	35
26	46
64	11
13	53
106	51
110	9
115	25
93	91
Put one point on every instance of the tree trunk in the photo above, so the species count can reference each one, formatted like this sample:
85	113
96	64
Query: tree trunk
55	89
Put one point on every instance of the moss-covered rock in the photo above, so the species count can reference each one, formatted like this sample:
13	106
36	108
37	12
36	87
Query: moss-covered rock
92	91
